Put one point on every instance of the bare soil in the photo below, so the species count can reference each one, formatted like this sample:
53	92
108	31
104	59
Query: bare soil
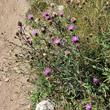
14	87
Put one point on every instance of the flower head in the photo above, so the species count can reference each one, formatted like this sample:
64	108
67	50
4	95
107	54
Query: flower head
58	52
26	55
57	41
26	37
49	42
52	38
70	28
73	19
46	14
95	80
47	71
67	52
75	39
63	44
47	17
30	42
30	16
88	107
61	14
35	33
42	49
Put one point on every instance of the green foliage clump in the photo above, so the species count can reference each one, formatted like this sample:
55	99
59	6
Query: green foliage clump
69	51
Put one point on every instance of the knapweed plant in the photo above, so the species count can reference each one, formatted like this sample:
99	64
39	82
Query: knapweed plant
69	52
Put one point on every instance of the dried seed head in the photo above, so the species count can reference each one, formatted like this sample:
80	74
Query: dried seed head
51	53
43	30
80	7
19	24
105	7
52	5
55	14
50	22
67	1
107	3
83	3
50	35
44	27
73	5
90	34
16	55
17	34
30	63
48	78
78	2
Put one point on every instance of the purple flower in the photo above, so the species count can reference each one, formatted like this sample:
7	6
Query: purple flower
47	17
49	42
58	52
52	16
30	42
63	44
95	80
26	37
73	19
105	7
52	38
70	28
67	52
88	107
30	16
46	14
61	14
42	49
26	55
35	33
47	71
57	41
75	39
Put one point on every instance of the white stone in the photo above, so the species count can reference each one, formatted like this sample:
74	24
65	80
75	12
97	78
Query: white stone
45	105
7	79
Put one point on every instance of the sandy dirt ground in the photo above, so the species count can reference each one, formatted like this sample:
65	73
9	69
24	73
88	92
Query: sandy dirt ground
14	88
